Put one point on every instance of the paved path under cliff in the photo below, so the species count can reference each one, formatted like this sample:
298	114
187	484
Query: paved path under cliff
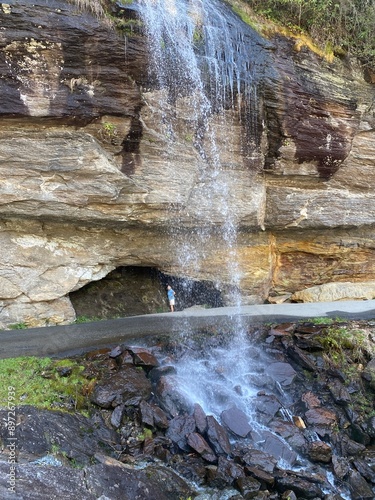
80	338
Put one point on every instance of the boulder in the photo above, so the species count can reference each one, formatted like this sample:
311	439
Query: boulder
359	487
143	357
153	416
321	417
179	429
236	421
318	451
170	399
267	405
199	444
279	449
364	469
369	373
303	488
218	437
339	392
43	432
283	373
121	483
261	460
44	481
248	486
331	292
200	418
128	386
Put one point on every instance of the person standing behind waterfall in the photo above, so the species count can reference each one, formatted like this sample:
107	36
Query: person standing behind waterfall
171	295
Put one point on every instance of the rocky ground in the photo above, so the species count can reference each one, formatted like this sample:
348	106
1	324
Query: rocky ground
131	433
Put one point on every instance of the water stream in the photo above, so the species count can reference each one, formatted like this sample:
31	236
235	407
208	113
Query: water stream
203	54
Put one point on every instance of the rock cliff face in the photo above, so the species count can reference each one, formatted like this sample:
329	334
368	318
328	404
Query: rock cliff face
91	180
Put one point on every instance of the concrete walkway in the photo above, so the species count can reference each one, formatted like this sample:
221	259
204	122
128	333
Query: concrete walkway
76	339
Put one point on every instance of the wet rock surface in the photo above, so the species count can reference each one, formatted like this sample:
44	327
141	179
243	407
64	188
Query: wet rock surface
303	439
73	436
88	155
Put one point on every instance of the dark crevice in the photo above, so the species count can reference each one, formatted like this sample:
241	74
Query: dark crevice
131	157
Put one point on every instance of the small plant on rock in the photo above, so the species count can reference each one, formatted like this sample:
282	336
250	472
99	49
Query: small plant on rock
344	346
18	326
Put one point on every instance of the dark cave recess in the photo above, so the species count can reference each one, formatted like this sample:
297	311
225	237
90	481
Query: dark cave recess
132	291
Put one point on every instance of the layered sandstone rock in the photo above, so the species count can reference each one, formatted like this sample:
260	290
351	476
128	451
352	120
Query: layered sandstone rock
91	179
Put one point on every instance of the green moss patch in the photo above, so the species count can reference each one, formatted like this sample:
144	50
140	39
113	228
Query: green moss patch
44	383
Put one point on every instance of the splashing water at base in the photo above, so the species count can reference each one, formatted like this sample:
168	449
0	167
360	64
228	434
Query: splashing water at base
219	380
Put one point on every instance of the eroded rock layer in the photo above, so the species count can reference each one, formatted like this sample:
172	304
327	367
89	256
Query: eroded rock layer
91	180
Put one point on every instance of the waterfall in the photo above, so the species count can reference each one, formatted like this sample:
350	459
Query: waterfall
203	56
200	49
201	53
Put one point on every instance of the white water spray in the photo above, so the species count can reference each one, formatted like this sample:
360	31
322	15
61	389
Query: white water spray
200	54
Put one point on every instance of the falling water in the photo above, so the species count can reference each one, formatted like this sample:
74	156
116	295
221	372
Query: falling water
201	53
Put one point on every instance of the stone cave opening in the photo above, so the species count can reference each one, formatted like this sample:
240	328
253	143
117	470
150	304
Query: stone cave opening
135	290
